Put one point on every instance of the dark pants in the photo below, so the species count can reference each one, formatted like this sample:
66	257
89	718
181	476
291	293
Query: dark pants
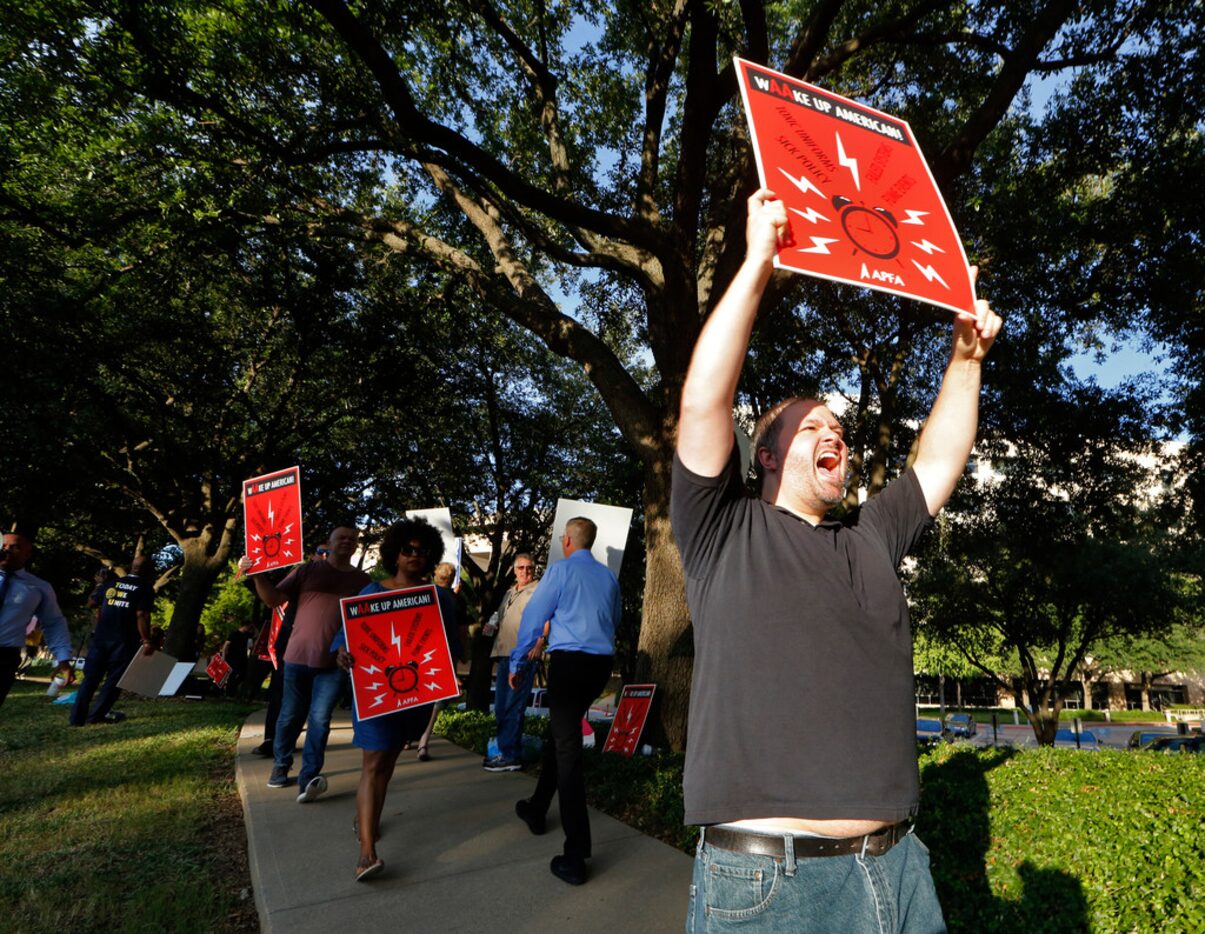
276	684
104	658
10	658
575	679
480	665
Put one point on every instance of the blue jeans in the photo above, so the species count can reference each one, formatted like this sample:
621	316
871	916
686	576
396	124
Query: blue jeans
309	696
509	707
842	894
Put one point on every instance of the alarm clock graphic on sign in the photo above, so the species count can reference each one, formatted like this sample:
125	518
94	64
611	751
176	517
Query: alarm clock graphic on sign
871	230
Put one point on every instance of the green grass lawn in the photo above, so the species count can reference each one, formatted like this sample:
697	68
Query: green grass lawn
134	826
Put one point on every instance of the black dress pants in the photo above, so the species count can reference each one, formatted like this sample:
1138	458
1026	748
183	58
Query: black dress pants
10	658
575	679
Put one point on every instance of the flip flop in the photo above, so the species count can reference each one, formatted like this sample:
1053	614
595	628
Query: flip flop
367	872
423	754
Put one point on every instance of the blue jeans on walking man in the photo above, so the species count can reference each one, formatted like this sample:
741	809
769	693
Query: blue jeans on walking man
309	697
510	705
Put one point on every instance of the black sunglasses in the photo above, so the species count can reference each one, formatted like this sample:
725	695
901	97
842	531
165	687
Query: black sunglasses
412	550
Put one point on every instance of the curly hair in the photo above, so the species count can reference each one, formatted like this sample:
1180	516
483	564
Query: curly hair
409	530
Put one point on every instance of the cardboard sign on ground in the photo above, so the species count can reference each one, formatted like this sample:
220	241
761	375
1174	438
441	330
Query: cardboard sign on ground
272	520
181	671
634	704
401	652
146	674
863	206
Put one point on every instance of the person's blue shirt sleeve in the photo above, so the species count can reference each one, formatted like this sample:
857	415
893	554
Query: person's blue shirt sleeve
54	625
340	640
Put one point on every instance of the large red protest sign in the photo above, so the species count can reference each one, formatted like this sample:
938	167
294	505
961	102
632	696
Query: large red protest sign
272	520
634	704
401	652
863	206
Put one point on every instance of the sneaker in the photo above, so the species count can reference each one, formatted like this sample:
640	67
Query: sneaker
263	749
315	788
502	764
279	777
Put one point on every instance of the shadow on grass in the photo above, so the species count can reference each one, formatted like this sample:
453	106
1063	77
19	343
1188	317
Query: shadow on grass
954	823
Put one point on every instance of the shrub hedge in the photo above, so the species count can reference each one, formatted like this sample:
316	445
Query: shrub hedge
1036	840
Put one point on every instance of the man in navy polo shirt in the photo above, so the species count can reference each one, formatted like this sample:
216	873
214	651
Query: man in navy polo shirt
122	627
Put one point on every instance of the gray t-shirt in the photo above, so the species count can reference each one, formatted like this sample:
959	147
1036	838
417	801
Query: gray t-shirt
802	696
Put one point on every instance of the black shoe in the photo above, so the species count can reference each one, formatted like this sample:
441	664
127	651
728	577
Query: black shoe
569	869
263	749
279	777
527	812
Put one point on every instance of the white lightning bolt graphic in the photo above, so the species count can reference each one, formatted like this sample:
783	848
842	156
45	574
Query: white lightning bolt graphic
426	658
811	214
929	273
376	685
914	217
801	183
271	515
927	246
820	245
847	161
370	670
433	686
395	639
378	700
433	671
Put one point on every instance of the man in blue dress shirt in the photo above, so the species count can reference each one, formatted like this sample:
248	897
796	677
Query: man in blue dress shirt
22	597
580	598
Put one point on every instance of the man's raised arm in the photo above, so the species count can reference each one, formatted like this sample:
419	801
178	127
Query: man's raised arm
949	432
263	587
705	422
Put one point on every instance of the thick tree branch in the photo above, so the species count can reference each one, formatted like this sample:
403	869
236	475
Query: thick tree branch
956	158
662	57
418	127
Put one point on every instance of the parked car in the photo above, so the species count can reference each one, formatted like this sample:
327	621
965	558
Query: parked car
1140	738
1169	744
961	725
930	732
1087	739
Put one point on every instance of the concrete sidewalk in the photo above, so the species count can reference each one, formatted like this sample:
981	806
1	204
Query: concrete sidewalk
456	856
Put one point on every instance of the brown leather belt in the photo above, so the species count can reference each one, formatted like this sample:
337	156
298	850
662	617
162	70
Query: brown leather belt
764	844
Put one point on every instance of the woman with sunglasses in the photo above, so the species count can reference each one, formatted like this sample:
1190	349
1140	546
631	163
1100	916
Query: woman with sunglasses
411	549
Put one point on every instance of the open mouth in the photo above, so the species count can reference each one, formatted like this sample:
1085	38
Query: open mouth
829	465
